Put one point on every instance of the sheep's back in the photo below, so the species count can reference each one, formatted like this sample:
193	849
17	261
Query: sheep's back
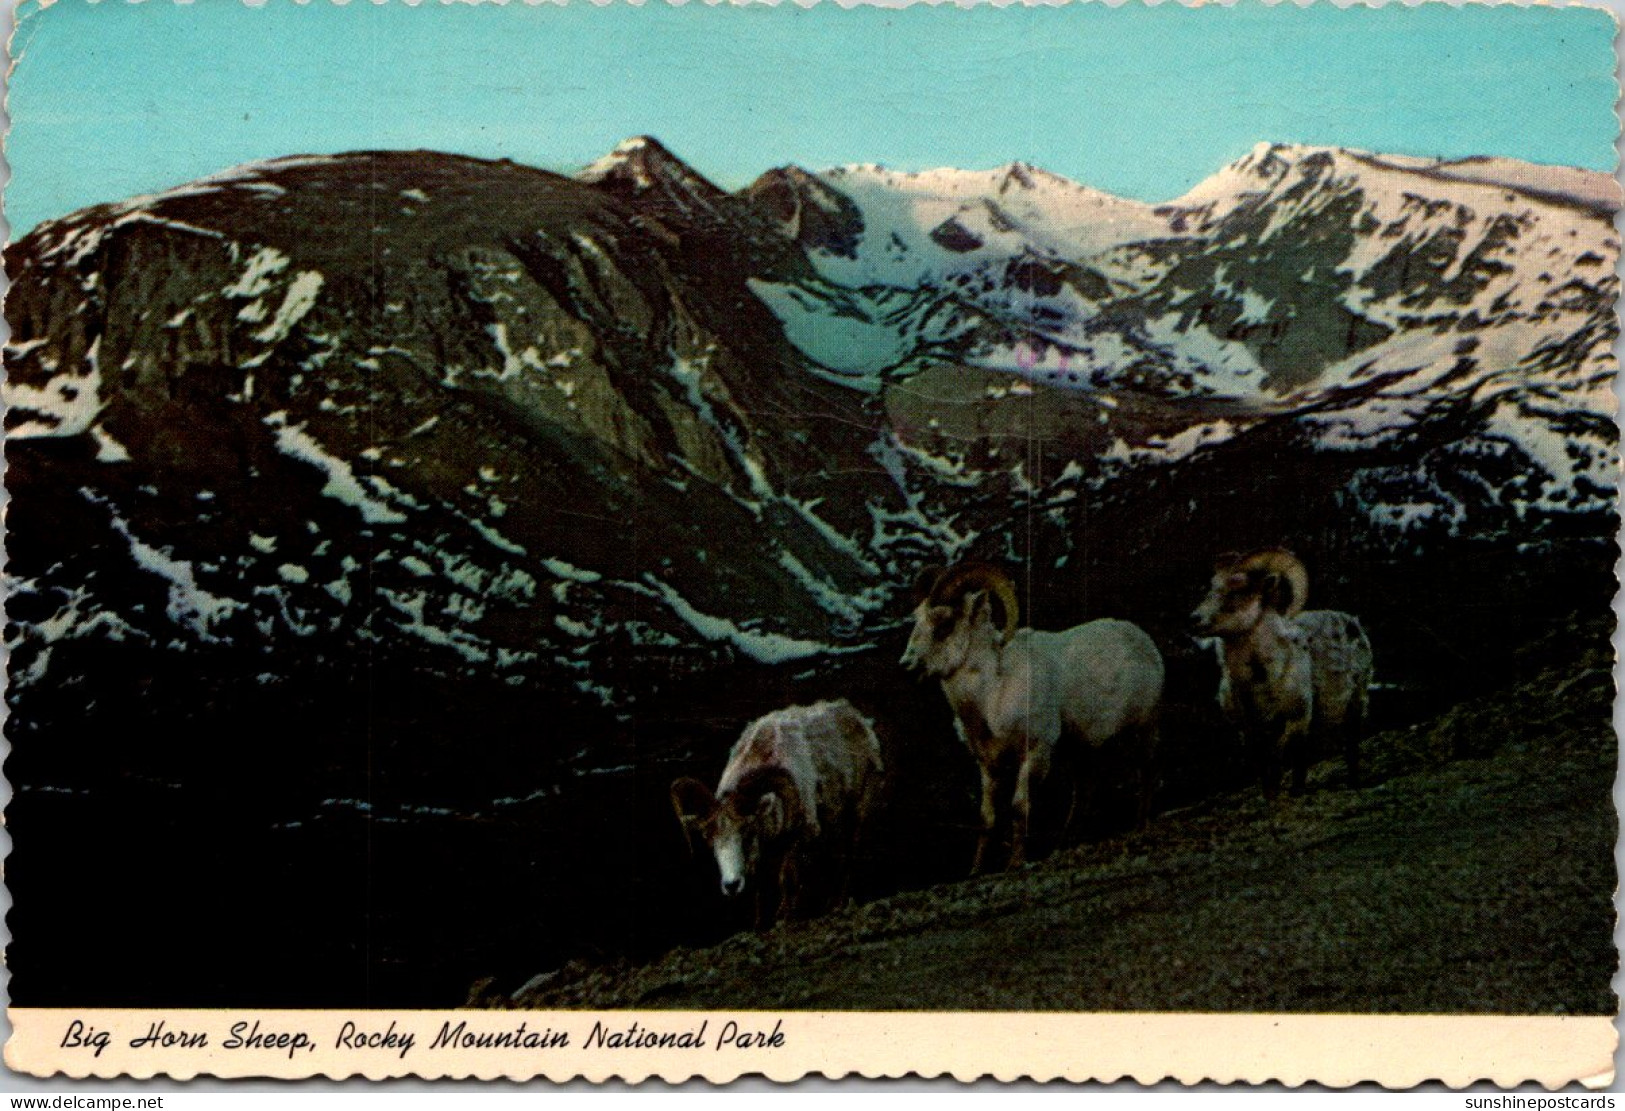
829	749
1341	660
846	753
1111	677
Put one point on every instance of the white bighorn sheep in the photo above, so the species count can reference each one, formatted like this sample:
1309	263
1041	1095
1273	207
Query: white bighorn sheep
1016	691
1290	680
799	786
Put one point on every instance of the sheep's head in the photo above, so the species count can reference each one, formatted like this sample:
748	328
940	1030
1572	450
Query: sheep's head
968	605
1245	587
753	818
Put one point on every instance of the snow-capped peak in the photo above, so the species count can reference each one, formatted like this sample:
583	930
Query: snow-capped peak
1009	209
1017	175
1269	165
643	162
628	152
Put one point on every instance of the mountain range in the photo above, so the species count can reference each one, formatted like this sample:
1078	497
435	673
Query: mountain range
393	512
507	422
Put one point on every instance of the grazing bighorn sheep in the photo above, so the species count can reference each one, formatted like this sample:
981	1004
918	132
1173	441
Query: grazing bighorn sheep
798	788
1016	691
1289	679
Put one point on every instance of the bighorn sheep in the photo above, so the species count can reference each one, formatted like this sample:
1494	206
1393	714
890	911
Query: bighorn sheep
1015	691
1289	679
798	788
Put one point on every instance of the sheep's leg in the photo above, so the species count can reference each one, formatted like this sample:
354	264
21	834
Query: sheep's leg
1072	805
1267	759
768	897
1295	743
1084	775
1033	770
1271	778
1091	787
836	872
830	875
1353	727
1351	755
841	886
789	888
1143	771
990	819
856	845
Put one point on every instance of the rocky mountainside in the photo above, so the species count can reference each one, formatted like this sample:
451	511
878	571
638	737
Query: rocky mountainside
482	415
523	428
438	485
1367	300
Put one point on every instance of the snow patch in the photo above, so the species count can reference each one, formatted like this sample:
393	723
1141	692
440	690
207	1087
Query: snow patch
411	606
1171	449
767	648
189	604
69	402
108	450
342	484
564	570
255	280
299	300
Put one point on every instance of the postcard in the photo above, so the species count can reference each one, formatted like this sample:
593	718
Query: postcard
610	540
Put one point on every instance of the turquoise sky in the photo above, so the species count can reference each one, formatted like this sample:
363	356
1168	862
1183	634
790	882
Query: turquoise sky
111	99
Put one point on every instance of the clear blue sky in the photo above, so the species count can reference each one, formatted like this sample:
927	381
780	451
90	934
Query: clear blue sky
111	99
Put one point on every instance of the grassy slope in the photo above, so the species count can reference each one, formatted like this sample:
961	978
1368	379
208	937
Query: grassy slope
1473	874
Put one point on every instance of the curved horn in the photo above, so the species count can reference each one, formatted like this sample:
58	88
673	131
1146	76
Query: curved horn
925	582
1279	561
967	577
758	783
691	800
